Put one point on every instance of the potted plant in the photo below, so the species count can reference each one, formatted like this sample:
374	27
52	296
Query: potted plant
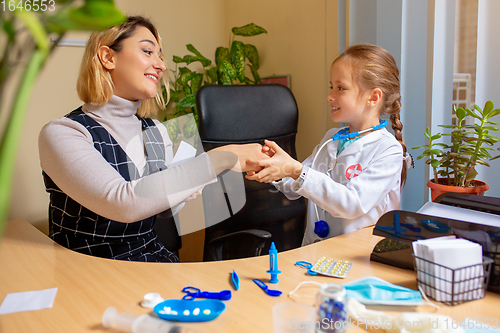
454	163
25	39
229	69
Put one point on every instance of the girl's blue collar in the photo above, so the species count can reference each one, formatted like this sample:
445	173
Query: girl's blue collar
344	133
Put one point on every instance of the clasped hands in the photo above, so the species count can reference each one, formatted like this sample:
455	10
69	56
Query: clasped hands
264	164
276	164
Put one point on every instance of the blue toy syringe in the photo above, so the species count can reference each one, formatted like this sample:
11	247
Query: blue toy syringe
273	264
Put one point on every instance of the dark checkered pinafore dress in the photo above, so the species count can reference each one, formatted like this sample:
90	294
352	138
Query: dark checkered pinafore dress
77	228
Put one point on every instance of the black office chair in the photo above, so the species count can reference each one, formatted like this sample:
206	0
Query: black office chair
245	114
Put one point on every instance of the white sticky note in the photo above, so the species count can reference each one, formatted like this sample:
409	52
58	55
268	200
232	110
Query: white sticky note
28	301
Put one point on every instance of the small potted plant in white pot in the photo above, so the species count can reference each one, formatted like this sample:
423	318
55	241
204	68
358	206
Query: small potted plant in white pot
454	164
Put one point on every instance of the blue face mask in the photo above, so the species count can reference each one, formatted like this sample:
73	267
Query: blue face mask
373	290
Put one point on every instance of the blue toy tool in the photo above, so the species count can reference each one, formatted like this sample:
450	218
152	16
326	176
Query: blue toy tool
236	280
307	265
189	311
193	293
321	228
435	226
344	133
264	287
273	264
398	229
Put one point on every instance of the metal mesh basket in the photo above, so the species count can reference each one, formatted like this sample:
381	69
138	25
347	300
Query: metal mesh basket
494	283
453	286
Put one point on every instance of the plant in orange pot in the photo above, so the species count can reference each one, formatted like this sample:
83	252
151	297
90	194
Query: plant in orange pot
454	164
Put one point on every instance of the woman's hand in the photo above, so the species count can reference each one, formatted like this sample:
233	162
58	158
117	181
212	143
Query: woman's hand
194	195
235	157
280	165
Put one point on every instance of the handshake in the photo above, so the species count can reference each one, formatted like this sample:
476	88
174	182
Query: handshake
265	163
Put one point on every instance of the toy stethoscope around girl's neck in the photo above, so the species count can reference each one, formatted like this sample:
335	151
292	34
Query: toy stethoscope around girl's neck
344	133
321	228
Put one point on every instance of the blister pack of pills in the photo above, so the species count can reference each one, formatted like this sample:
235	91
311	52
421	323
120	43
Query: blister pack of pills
330	267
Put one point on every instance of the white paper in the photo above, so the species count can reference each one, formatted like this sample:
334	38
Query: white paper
426	269
184	152
459	214
453	254
28	301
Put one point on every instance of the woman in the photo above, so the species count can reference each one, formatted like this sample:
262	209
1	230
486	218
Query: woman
105	163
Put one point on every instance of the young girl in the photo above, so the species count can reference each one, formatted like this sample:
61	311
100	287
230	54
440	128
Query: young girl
105	163
354	175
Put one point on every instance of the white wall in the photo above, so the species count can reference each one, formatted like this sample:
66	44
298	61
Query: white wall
400	26
414	113
487	77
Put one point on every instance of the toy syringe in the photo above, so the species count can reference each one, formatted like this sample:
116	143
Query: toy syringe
127	322
273	264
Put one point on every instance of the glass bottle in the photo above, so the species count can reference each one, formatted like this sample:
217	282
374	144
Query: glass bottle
330	306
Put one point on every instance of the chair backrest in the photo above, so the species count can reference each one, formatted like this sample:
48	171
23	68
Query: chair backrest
252	113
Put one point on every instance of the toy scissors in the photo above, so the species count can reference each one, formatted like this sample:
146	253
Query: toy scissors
193	293
307	265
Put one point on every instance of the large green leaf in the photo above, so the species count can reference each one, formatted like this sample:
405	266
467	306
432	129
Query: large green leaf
488	107
460	113
12	133
225	67
187	102
248	30
256	76
494	113
212	75
221	53
204	61
189	59
36	29
196	82
237	54
185	78
97	15
252	55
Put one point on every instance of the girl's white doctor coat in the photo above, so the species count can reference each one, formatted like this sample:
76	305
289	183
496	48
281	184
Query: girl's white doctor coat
352	190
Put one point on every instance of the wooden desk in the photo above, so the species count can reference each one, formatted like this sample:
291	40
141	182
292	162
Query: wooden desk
29	260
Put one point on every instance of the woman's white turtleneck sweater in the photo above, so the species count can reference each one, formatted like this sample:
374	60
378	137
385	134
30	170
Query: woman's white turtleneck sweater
68	157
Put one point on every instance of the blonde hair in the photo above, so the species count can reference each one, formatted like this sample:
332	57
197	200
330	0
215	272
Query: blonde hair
95	86
374	67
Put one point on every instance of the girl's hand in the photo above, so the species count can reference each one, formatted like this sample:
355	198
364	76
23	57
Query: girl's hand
193	196
280	165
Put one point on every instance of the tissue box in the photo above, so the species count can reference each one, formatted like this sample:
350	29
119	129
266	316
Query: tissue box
452	286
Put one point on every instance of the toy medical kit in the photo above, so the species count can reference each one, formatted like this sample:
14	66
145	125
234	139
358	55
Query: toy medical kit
264	287
189	311
236	280
328	267
273	264
344	133
127	322
192	293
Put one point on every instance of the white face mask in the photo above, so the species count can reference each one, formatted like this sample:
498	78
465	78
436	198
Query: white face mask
373	290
